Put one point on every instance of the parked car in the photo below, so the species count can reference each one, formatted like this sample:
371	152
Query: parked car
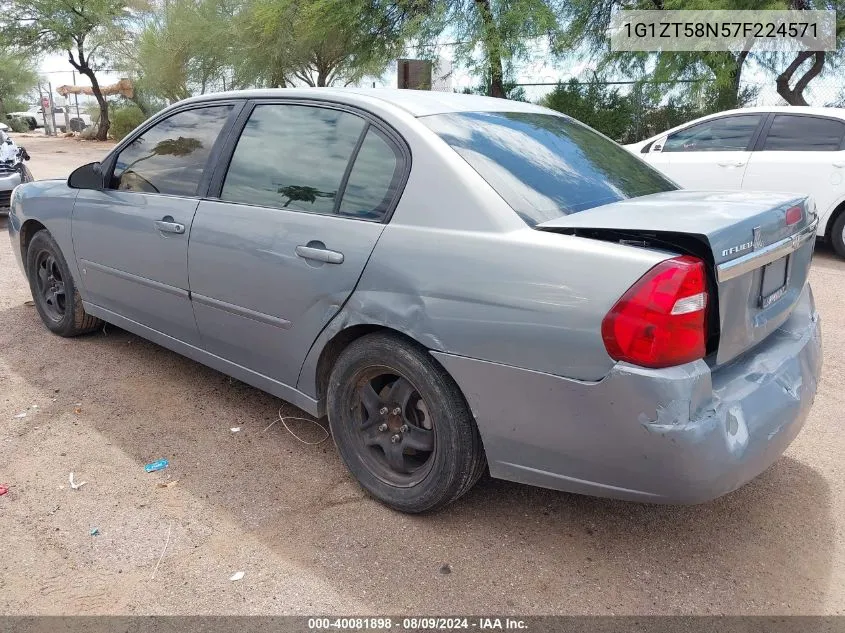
35	118
455	281
13	171
785	148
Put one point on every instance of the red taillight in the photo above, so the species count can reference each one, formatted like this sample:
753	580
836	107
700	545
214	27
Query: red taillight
794	215
662	319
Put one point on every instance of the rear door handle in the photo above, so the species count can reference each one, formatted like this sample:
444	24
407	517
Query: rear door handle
839	163
167	225
319	254
731	163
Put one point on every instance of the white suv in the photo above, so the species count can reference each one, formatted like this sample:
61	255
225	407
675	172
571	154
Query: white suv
788	148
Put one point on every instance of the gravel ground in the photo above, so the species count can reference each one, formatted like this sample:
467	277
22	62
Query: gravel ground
307	538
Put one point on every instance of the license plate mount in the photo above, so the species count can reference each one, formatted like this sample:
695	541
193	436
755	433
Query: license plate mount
774	282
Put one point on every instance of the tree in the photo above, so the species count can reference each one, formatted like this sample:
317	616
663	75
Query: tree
596	104
717	73
79	28
320	42
797	63
181	48
17	77
503	30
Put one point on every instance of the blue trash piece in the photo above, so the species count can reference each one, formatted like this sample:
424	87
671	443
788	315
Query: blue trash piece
159	465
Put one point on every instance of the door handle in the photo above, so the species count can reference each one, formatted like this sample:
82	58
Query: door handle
319	254
839	163
167	225
731	163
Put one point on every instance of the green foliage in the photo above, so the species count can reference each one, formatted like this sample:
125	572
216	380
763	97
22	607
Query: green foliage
320	42
17	77
182	49
124	119
17	125
719	74
504	30
601	107
625	117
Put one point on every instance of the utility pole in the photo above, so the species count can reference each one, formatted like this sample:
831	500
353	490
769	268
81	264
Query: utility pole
44	105
76	96
52	108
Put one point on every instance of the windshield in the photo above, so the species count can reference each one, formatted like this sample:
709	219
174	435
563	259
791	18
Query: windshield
544	165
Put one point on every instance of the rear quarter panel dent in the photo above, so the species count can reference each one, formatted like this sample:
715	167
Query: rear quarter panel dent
526	298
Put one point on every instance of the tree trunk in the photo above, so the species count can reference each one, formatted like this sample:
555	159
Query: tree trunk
795	96
492	46
104	124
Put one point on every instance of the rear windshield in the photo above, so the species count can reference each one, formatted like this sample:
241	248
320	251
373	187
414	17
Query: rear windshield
546	166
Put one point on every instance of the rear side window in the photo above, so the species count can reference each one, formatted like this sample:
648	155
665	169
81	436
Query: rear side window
544	165
794	133
171	156
727	134
374	179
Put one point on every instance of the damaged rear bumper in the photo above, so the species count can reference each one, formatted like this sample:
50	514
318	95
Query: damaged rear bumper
684	434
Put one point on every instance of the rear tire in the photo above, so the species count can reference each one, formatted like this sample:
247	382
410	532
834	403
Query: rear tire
837	238
401	425
53	290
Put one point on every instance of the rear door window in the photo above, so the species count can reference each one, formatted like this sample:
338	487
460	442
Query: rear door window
793	133
726	134
544	165
314	160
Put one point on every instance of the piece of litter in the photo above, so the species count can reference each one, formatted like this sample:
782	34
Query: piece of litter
21	415
237	576
95	532
157	465
235	429
164	549
78	410
35	406
29	303
73	485
169	484
284	419
3	490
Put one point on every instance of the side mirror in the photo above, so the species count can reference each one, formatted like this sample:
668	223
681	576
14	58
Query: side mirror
88	176
657	146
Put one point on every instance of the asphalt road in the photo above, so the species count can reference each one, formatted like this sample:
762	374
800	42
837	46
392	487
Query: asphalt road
309	541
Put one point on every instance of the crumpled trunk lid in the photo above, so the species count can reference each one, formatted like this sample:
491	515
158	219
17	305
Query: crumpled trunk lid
758	263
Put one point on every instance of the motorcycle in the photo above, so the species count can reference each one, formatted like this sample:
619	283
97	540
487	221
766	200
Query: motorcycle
13	171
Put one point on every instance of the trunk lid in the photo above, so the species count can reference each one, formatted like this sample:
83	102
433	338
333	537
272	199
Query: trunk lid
758	263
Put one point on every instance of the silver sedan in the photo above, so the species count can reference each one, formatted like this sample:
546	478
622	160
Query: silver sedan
458	283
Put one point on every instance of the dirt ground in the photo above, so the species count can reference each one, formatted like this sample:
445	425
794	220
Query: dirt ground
307	538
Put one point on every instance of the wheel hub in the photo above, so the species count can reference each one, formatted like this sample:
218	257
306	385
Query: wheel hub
398	438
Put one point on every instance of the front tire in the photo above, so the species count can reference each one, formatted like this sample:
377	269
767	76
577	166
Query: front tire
53	290
837	235
401	425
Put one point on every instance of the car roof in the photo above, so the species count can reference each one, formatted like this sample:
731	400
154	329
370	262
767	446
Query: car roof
838	113
416	102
